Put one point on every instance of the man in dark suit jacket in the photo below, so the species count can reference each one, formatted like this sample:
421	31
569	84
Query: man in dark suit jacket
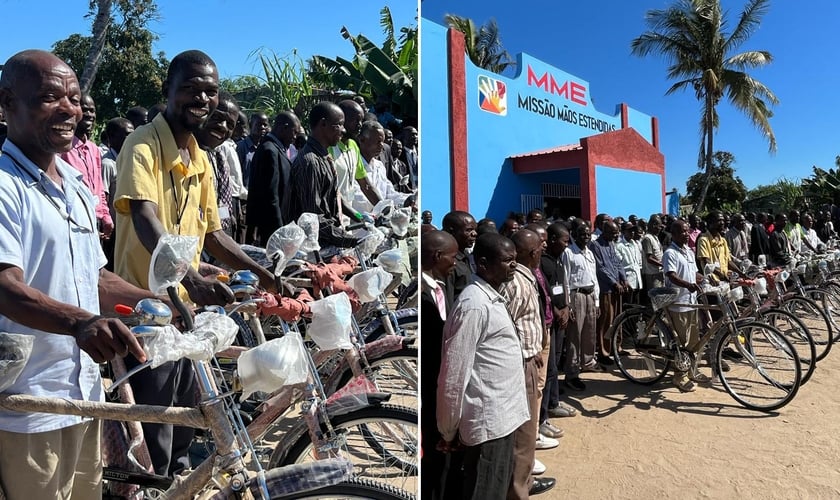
552	268
268	187
461	225
437	262
409	155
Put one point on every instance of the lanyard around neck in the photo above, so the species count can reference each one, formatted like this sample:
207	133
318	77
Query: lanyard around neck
65	214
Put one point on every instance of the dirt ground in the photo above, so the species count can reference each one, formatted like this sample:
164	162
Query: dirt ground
630	441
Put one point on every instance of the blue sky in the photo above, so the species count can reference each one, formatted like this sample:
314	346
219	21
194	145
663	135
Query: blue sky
227	30
591	39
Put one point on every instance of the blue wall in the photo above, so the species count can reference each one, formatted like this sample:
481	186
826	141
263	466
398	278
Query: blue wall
545	108
436	188
615	185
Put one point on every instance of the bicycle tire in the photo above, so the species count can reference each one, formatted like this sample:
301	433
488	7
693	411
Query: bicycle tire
797	334
827	297
407	323
245	336
374	457
768	375
634	357
408	295
352	489
395	373
815	319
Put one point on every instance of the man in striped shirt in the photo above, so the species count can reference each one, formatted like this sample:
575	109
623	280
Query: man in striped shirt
523	303
313	176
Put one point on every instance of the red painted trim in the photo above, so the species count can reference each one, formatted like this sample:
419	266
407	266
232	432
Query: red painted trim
460	187
654	129
664	198
560	160
625	120
589	202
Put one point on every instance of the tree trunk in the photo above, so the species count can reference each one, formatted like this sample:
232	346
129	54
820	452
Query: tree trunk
97	46
710	130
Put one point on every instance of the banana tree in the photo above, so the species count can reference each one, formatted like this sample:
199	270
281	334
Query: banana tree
823	186
374	72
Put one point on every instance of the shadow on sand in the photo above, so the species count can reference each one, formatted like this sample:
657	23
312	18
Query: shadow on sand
643	397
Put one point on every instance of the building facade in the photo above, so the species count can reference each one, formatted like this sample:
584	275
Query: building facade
492	145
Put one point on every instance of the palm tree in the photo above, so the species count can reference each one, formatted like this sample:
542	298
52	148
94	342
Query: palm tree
483	45
691	35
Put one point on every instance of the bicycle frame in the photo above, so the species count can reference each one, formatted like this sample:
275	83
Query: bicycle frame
211	414
671	346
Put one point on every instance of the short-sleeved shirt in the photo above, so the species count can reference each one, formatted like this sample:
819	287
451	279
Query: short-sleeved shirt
149	168
716	249
61	256
347	159
682	262
651	246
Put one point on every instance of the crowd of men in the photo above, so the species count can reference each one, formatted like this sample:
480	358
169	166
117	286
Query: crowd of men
506	309
79	222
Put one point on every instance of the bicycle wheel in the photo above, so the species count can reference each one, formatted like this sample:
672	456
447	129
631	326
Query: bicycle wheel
640	358
245	336
406	324
797	334
768	373
382	442
394	373
351	489
408	295
815	319
828	298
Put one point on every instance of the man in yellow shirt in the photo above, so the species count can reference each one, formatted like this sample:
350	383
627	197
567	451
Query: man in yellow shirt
712	247
165	185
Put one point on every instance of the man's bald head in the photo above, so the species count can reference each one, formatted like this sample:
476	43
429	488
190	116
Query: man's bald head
528	247
437	253
286	125
353	117
40	127
25	65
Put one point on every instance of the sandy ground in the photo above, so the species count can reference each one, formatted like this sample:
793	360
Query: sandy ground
630	441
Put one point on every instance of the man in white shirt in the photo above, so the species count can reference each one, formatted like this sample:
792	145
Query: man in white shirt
527	314
652	255
52	284
631	258
350	175
370	145
680	268
481	388
810	240
581	288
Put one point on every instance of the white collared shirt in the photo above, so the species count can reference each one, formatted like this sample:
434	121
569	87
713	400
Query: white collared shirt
631	258
379	179
61	260
435	285
579	265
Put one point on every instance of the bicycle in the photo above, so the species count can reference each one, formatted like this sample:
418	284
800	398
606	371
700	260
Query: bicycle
231	471
765	377
786	322
228	472
387	433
